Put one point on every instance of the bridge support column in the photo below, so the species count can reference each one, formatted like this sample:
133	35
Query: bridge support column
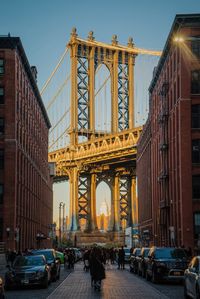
116	212
73	211
93	217
134	203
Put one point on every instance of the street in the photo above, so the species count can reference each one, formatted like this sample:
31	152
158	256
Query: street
119	284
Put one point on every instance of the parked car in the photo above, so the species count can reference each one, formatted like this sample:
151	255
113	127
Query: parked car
60	256
52	261
166	263
192	279
28	270
142	261
2	293
134	260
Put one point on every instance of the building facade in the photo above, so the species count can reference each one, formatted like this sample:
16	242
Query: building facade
26	199
175	139
144	185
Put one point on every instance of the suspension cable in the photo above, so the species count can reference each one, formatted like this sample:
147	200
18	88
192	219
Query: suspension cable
58	138
54	71
104	83
59	121
58	92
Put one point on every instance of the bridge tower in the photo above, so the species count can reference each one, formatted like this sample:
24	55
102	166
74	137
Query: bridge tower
105	157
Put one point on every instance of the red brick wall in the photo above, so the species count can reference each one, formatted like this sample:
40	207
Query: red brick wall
28	200
172	204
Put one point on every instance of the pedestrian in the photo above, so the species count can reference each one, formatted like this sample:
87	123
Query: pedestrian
121	258
97	270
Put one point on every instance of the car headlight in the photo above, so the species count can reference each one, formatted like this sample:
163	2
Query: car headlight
1	282
39	274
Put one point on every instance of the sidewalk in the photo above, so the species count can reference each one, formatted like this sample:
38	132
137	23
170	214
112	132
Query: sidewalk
118	284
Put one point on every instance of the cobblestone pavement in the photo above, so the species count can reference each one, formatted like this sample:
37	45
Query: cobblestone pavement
119	284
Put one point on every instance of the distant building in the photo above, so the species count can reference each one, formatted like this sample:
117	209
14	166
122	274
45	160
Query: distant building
168	162
26	199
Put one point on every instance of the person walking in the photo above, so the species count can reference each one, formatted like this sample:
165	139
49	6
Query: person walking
97	270
121	258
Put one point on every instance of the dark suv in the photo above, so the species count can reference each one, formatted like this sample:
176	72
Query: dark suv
142	261
52	261
134	260
166	263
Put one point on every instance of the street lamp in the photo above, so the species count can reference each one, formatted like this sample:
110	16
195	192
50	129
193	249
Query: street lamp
181	38
60	207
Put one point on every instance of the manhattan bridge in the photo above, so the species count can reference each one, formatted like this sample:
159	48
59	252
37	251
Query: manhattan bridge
89	98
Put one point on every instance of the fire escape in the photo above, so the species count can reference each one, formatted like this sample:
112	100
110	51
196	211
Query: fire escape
164	173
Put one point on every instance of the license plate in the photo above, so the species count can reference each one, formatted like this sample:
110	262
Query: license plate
25	281
177	273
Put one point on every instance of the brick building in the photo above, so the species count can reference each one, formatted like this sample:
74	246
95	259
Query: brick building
26	199
173	141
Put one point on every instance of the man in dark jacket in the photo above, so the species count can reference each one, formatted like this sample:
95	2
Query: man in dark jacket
121	258
97	270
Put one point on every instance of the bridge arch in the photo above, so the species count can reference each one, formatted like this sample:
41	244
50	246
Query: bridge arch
103	205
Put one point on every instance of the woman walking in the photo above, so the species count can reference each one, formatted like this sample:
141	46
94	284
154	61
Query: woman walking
97	270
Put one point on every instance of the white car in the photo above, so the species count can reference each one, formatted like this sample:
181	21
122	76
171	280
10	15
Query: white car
192	279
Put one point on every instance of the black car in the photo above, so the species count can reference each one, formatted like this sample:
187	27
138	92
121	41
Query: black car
52	260
142	261
134	260
166	263
28	270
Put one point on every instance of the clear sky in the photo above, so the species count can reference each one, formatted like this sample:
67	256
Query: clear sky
44	27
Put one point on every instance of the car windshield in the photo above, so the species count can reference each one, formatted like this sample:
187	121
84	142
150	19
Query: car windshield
48	254
23	261
170	253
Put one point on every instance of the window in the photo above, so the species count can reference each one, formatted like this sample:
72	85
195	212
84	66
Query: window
196	151
1	126
195	47
196	224
1	158
196	187
195	83
1	193
195	116
1	66
1	95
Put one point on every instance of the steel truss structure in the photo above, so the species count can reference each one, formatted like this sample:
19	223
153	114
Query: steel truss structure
110	157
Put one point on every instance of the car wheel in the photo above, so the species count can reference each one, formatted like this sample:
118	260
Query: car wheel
154	277
45	283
